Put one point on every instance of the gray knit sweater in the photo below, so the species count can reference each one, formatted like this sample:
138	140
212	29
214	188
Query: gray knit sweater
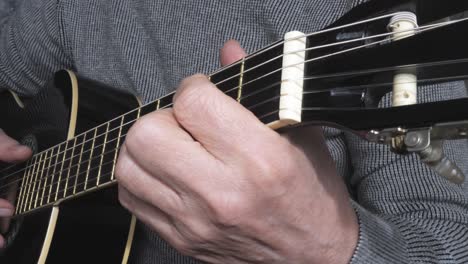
407	214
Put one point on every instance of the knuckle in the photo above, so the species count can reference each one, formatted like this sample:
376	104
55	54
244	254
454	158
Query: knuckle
274	169
190	97
121	167
123	198
229	208
205	235
201	232
138	133
279	161
149	126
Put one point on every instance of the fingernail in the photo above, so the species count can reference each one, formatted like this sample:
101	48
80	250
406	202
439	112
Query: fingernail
5	212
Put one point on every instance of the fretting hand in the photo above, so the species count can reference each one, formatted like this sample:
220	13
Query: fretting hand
222	187
10	151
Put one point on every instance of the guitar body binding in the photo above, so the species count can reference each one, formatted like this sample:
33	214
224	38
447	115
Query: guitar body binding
70	231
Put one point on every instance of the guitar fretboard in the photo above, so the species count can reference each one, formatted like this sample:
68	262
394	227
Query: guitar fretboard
87	162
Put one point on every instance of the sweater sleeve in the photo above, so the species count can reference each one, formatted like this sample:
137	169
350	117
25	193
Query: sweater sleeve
407	213
32	47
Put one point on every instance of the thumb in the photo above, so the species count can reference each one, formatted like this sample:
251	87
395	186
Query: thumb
231	52
11	150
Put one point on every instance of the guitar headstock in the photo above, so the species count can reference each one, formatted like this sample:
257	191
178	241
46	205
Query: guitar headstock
345	84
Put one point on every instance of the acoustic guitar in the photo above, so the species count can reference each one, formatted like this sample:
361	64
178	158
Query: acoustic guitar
65	197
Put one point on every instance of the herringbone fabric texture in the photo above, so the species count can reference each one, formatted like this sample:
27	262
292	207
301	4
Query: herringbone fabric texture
407	213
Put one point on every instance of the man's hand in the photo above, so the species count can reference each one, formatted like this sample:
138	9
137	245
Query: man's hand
222	187
10	151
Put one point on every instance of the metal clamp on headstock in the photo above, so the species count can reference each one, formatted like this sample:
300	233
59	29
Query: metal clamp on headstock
427	143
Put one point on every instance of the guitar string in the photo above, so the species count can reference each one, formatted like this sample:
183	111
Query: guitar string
420	29
28	203
116	148
386	84
83	142
308	61
73	151
270	47
75	139
134	110
74	186
70	187
252	94
83	162
53	156
95	178
58	183
431	26
328	55
387	69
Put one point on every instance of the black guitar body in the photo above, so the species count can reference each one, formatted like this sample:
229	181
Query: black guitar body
92	229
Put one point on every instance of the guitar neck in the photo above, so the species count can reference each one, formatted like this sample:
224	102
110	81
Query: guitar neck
87	162
270	83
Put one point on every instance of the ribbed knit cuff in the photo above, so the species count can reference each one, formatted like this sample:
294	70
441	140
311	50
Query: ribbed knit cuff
379	241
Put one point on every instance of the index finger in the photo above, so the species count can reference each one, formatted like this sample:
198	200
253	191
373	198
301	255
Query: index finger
222	125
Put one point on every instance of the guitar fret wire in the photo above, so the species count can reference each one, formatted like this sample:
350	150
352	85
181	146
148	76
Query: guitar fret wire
128	123
29	185
92	168
251	107
53	175
39	180
118	142
113	181
2	187
37	175
97	136
428	27
47	173
94	137
102	156
69	166
82	183
263	116
90	158
241	77
20	195
61	171
29	179
79	164
70	196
